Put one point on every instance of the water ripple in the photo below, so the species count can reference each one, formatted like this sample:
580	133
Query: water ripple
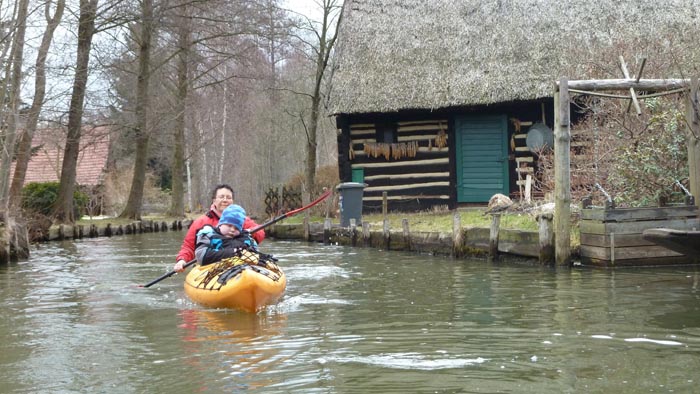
414	361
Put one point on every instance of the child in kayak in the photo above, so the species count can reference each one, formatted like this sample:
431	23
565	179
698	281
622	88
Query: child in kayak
221	197
224	240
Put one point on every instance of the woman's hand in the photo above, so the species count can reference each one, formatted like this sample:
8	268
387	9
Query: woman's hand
179	266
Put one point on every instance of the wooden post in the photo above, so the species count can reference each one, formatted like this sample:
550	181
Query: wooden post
562	174
353	231
546	238
528	188
493	236
386	232
305	199
406	234
365	234
329	204
457	242
385	204
693	139
612	248
327	231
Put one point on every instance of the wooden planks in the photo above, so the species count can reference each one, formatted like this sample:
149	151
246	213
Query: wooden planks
637	214
611	237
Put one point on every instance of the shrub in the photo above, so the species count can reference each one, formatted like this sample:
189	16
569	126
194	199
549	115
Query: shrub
326	178
39	198
116	193
637	159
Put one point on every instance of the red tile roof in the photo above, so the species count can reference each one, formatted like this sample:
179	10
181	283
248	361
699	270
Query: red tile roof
45	165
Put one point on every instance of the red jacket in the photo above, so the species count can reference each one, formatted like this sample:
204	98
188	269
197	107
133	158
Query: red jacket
211	218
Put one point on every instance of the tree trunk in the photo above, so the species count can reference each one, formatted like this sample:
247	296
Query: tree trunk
177	208
323	52
8	136
25	142
132	210
63	210
224	127
311	142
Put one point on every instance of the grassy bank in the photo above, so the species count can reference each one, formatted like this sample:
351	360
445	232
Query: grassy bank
429	221
441	221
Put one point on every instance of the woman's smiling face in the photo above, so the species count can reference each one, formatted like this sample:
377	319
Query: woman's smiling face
224	198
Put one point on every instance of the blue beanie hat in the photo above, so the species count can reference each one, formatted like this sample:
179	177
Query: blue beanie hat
234	215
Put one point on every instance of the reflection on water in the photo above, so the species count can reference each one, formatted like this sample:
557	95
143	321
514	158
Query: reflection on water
241	342
352	320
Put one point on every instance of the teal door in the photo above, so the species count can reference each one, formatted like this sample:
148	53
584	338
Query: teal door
358	175
482	157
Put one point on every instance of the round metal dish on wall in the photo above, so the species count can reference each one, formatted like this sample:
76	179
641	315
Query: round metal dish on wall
538	136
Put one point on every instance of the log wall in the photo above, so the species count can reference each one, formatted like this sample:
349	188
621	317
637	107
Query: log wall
414	171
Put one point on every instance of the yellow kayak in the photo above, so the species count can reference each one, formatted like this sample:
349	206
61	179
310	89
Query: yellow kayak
244	283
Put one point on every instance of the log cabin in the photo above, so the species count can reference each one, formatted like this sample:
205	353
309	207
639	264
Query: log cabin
439	103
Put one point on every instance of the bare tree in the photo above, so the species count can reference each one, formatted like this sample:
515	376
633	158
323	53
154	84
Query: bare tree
323	35
10	120
225	72
184	35
217	72
63	210
25	141
133	204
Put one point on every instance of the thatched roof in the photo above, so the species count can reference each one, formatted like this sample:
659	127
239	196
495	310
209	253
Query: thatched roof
420	54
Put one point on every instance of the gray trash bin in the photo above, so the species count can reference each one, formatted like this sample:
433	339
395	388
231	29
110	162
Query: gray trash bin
350	202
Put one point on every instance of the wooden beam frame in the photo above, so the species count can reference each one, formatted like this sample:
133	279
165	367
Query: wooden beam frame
693	139
562	143
654	85
562	173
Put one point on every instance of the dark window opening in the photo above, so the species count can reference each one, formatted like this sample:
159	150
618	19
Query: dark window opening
386	132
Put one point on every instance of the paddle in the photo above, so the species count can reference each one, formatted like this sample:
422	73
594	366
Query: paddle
251	231
169	274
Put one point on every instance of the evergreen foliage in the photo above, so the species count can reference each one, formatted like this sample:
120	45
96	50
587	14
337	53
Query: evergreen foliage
40	197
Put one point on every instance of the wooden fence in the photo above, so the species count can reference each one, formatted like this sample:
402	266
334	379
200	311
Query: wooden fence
276	202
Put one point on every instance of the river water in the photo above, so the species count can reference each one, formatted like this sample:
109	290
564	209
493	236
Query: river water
353	320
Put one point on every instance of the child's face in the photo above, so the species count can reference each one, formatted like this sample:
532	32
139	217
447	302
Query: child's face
228	230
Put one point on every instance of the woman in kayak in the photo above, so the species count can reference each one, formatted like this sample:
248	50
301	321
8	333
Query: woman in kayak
222	197
225	240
